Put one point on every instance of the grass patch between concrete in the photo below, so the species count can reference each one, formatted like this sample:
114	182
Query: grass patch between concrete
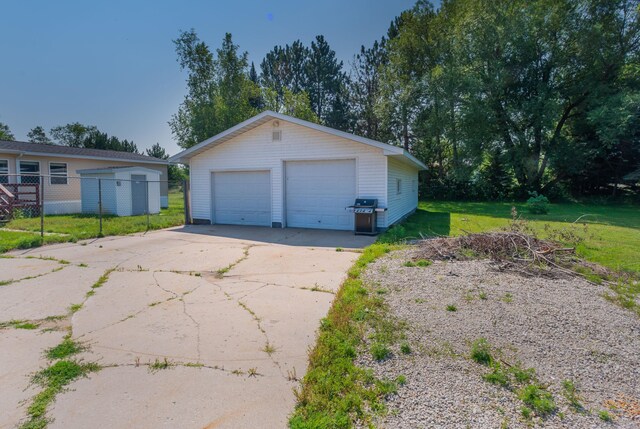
335	392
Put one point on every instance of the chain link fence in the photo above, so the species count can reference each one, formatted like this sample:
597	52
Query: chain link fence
90	206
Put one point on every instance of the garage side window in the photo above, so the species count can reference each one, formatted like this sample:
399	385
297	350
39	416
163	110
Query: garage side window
29	172
4	171
58	172
398	186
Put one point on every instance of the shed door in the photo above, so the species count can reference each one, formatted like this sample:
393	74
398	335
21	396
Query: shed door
318	193
242	198
138	194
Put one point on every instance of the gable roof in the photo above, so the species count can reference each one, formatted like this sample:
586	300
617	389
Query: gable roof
116	169
269	115
38	149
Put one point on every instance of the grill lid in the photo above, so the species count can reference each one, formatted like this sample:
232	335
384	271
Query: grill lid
366	202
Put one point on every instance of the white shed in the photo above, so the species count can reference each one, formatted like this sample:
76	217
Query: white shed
280	171
125	191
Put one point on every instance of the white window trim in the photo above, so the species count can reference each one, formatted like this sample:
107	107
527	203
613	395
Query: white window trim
8	176
398	186
7	161
66	174
19	172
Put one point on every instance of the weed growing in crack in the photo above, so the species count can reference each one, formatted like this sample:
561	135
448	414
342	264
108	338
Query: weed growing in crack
53	379
18	324
452	307
66	348
292	375
158	365
237	372
193	364
103	278
269	349
73	308
253	372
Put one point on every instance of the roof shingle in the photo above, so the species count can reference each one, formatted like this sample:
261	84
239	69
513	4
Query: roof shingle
75	152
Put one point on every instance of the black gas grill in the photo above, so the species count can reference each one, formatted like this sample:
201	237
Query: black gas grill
365	220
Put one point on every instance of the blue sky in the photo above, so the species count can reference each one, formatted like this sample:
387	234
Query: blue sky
112	63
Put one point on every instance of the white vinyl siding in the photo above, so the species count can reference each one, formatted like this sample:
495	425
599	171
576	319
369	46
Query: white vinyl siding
402	189
256	150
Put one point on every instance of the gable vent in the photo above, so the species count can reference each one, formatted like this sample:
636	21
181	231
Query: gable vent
276	136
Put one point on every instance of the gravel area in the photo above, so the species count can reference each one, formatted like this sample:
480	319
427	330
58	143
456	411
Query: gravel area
564	329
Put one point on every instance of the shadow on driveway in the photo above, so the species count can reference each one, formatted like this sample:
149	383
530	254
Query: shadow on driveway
285	236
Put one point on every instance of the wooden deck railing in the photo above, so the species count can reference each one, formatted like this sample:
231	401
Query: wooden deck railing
19	197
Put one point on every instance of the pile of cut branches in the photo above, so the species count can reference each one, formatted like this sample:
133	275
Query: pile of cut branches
512	251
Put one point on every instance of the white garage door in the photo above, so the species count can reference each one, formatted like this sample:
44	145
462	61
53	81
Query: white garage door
242	198
317	193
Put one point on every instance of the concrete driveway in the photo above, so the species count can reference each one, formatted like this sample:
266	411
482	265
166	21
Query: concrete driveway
194	327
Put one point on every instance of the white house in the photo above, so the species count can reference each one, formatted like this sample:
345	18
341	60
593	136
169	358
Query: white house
124	191
280	171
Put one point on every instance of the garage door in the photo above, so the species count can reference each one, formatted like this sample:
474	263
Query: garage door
317	193
242	198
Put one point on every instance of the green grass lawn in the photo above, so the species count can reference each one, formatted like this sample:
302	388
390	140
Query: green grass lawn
611	238
64	228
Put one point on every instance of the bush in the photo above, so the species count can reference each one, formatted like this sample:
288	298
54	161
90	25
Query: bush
537	204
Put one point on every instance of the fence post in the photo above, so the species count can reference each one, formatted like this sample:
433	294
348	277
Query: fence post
187	199
42	208
146	187
100	205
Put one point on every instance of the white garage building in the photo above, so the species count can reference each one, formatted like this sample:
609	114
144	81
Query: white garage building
280	171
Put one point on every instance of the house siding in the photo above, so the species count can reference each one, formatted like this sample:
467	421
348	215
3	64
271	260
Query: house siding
407	200
255	150
69	193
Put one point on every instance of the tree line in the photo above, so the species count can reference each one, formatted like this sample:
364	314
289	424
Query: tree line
74	135
498	98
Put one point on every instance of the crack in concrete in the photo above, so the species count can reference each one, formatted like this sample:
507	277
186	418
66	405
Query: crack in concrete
170	364
186	313
310	289
269	349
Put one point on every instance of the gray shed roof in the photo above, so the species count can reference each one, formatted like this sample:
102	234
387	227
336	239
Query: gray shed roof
38	149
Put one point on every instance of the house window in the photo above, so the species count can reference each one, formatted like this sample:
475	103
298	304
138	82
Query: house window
4	171
58	172
398	186
29	172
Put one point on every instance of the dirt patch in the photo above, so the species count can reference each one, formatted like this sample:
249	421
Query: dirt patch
563	328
